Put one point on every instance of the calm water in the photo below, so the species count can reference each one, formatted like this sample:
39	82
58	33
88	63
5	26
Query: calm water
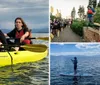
86	65
40	35
35	73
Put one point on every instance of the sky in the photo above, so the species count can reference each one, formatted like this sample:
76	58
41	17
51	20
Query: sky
66	6
87	49
34	13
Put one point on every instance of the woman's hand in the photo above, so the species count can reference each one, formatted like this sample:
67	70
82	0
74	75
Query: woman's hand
0	43
5	35
22	38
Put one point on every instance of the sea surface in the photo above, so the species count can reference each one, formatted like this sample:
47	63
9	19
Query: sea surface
86	65
33	73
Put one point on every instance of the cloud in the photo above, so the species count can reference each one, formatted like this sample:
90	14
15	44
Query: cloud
88	46
34	13
66	6
76	53
37	25
6	25
23	3
61	44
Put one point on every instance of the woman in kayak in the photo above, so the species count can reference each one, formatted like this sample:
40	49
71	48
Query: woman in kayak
75	65
20	33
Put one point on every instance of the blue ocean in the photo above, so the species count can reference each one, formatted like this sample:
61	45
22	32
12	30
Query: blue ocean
33	73
86	65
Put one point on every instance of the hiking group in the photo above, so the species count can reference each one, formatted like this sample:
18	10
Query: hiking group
58	25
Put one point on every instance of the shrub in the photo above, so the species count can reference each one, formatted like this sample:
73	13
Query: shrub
52	17
77	26
97	15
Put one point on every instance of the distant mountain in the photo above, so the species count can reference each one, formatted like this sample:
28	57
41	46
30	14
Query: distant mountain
5	30
43	30
85	56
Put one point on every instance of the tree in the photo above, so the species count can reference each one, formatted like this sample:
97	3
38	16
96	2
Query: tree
81	12
97	15
51	9
92	3
99	4
57	14
60	15
52	17
73	12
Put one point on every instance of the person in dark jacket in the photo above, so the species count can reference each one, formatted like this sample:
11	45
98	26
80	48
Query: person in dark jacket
75	65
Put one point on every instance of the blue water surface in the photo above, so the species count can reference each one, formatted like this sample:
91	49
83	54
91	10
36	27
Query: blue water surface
86	65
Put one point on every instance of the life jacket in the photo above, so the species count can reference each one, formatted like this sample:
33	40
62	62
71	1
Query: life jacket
20	34
90	11
98	40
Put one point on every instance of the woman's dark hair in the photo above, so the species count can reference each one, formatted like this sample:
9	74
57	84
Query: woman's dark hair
24	24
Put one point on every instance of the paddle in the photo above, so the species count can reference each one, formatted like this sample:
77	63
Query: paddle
35	47
30	47
40	38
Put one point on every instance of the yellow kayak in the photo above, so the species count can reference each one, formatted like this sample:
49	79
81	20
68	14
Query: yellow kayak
30	54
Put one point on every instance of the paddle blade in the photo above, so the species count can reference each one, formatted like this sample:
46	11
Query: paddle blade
35	48
43	38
